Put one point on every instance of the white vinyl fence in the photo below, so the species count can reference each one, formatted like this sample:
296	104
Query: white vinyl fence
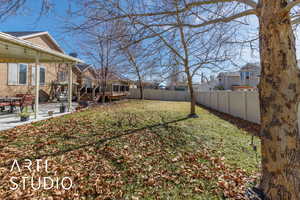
242	104
164	95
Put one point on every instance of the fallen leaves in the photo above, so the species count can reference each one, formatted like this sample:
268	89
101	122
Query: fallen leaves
154	162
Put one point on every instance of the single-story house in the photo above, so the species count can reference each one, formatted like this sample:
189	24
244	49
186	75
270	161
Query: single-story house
18	78
18	56
86	76
111	84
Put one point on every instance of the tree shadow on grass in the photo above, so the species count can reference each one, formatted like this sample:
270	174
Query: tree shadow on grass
99	142
250	127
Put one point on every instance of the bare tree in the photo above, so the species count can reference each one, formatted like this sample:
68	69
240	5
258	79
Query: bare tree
193	49
99	47
140	61
182	43
279	87
11	7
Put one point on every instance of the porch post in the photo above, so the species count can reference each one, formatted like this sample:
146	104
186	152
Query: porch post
37	84
70	87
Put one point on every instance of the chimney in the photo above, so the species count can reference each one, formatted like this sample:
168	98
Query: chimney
73	54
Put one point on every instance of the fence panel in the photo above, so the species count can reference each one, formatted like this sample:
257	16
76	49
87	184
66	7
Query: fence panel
207	99
253	109
214	100
164	95
244	105
237	104
223	102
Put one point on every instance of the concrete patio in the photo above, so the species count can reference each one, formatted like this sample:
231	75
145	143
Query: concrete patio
12	120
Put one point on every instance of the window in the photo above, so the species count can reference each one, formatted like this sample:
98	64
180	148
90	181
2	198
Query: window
242	76
62	76
42	75
88	82
247	75
115	88
17	74
22	74
122	88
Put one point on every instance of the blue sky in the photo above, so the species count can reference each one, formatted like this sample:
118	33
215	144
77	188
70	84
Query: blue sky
28	20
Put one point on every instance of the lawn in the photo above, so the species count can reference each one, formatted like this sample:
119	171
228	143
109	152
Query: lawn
129	150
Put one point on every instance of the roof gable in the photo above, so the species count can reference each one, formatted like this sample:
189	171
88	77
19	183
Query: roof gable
83	67
46	39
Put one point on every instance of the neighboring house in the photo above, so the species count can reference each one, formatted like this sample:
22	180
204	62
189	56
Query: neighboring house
228	79
86	76
247	78
18	78
179	86
208	86
249	75
148	85
95	88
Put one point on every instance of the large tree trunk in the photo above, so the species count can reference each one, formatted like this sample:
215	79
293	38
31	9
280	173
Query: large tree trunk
141	89
279	94
193	98
191	89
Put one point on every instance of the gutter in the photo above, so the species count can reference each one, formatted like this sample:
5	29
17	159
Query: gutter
23	43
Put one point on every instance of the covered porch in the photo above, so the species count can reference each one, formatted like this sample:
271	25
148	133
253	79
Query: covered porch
15	50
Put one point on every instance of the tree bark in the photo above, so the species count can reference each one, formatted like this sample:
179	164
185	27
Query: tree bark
187	67
193	98
141	89
104	83
279	95
191	89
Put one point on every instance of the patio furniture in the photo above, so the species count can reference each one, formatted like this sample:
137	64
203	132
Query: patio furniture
20	100
3	104
9	101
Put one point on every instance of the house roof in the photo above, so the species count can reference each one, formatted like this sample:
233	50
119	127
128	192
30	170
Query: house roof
23	33
30	34
14	49
250	67
82	66
228	74
111	75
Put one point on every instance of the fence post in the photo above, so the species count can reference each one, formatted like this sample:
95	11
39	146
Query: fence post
228	102
218	106
210	104
245	99
246	105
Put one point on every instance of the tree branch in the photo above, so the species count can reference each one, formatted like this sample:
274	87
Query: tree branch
224	19
296	21
291	5
250	3
188	6
214	21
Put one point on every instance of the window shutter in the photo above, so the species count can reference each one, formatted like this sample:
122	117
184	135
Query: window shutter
13	74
